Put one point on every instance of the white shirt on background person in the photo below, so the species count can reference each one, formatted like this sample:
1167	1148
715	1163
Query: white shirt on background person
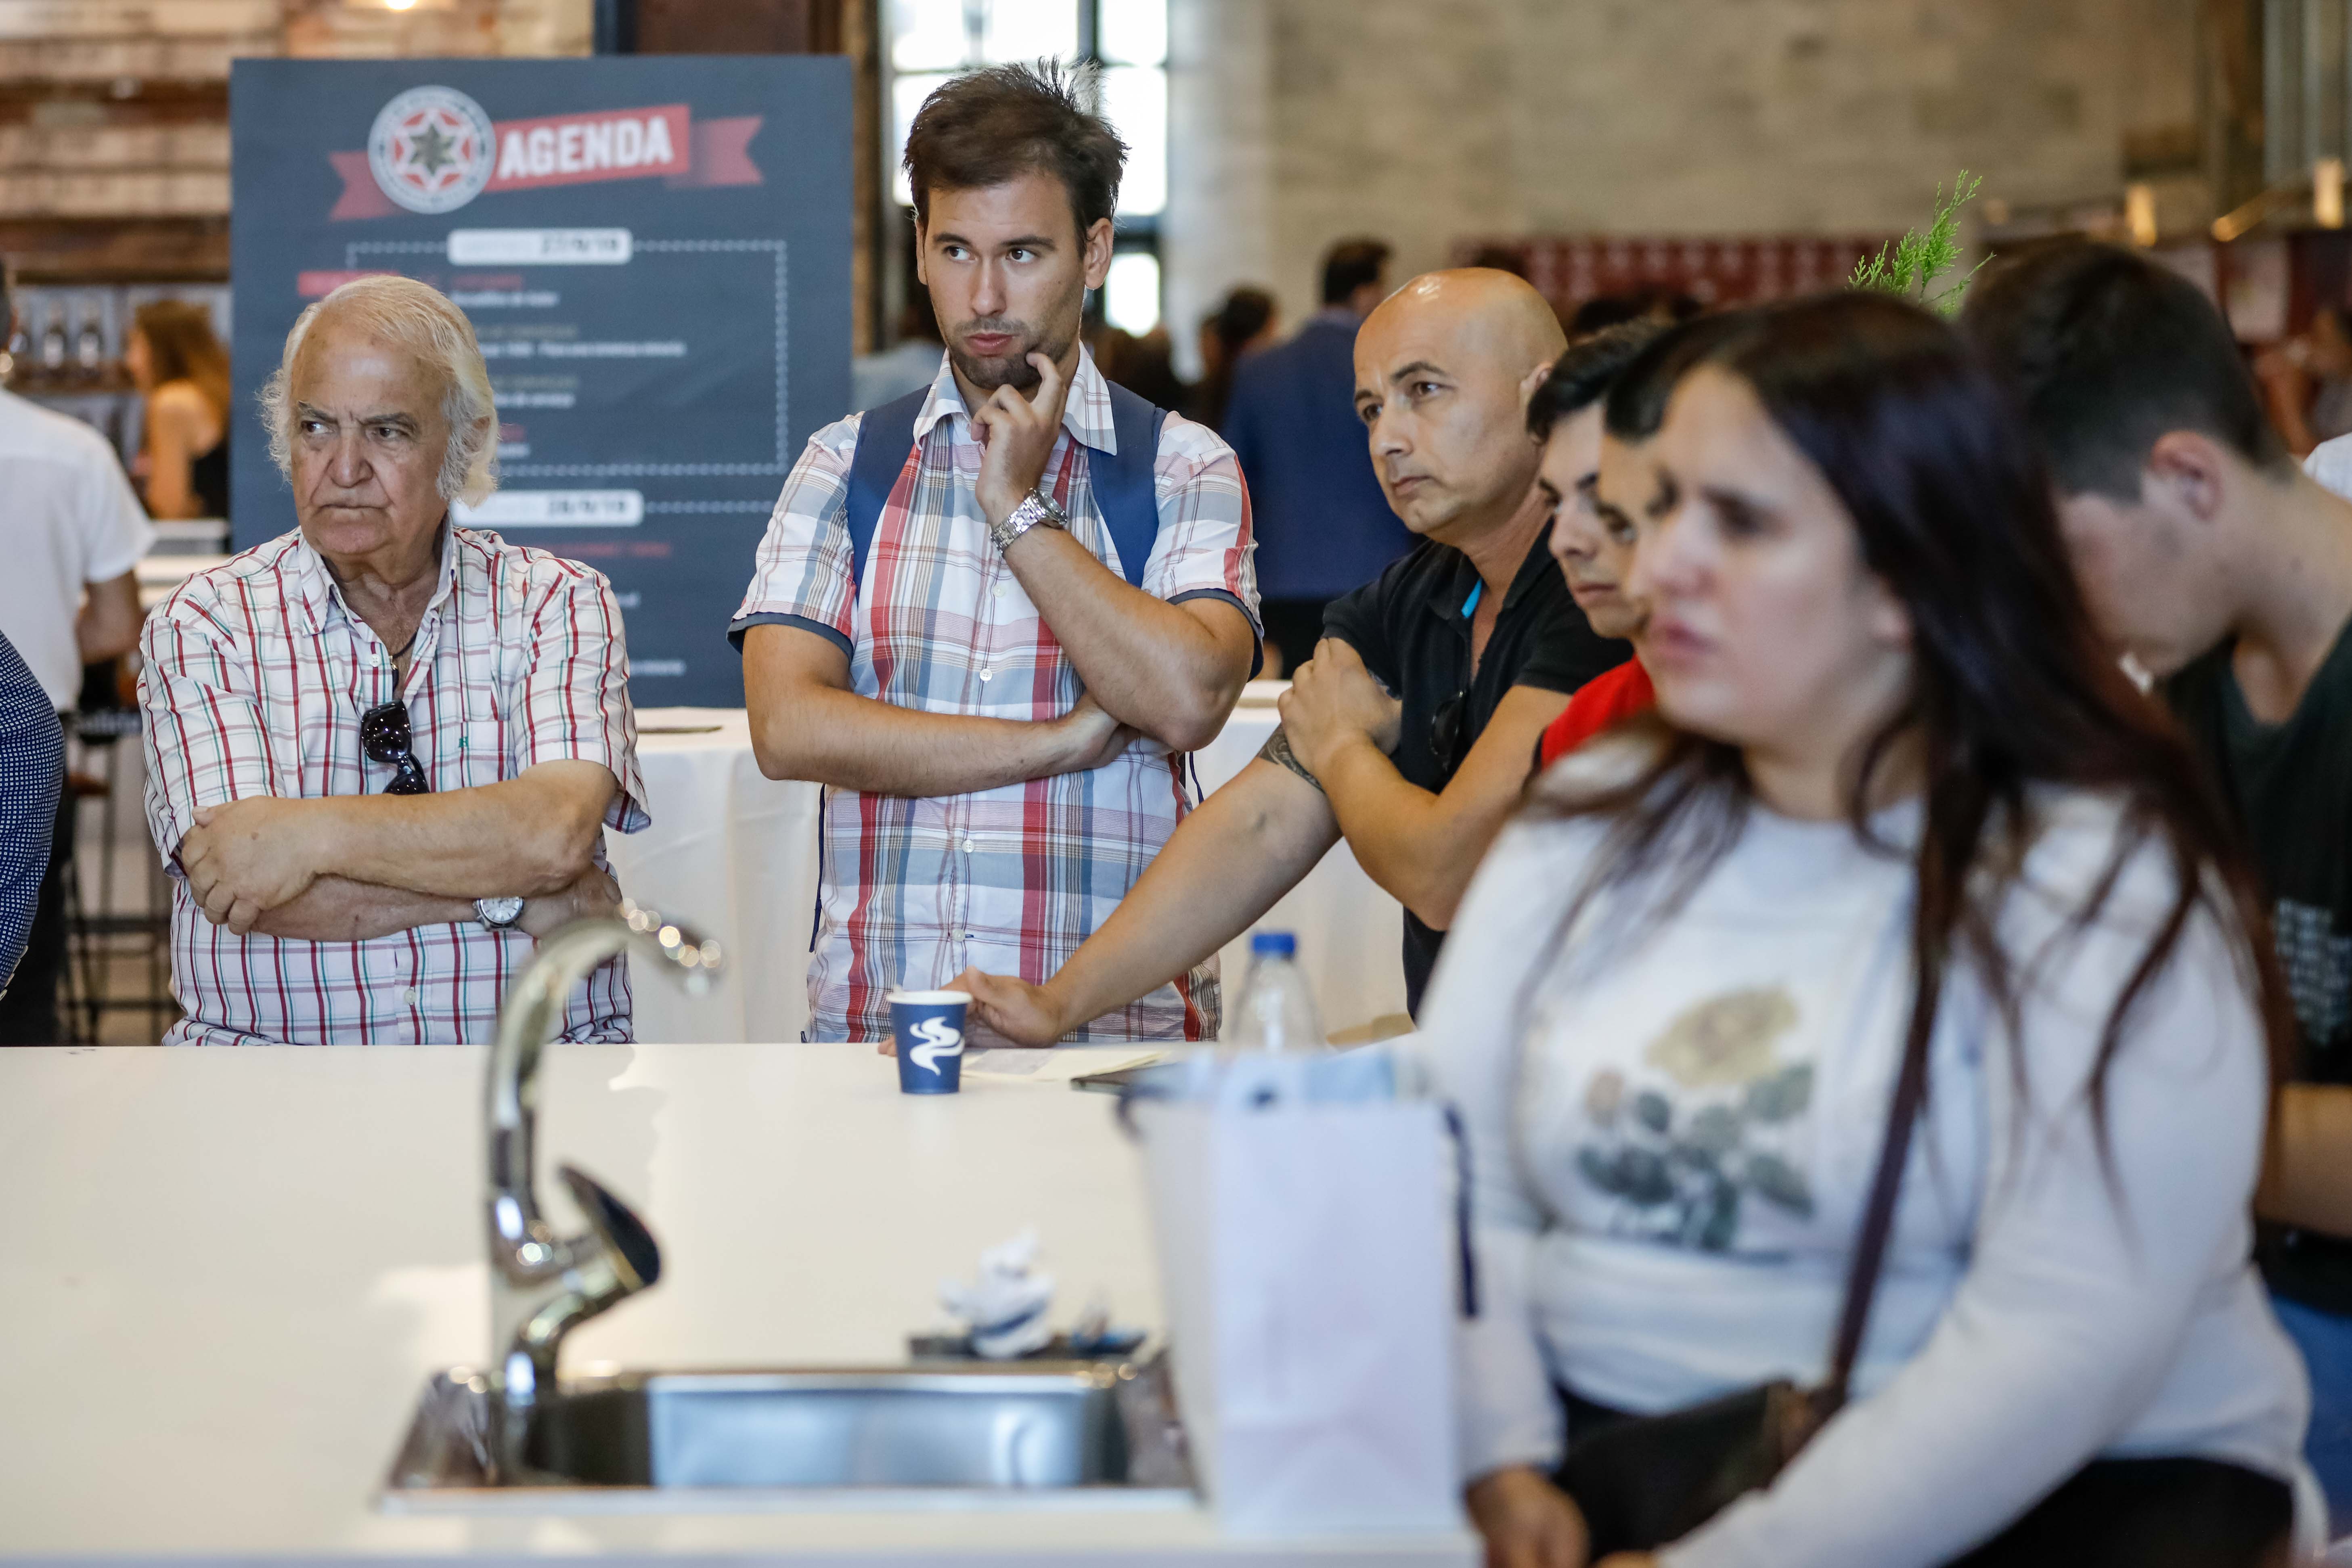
67	519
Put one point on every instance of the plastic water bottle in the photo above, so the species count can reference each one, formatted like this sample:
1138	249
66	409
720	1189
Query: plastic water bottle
1276	1012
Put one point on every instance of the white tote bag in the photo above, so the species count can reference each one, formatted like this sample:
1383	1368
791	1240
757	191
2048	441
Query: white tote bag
1309	1272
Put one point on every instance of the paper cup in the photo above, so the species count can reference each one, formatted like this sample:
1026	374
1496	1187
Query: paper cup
929	1027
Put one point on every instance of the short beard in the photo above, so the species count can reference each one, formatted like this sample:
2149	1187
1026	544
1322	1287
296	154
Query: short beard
1012	370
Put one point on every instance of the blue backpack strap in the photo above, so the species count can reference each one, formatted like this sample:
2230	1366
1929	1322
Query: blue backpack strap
1124	489
886	439
1127	494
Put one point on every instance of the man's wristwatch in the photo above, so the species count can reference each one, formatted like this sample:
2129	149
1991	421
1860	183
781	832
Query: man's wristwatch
497	914
1036	511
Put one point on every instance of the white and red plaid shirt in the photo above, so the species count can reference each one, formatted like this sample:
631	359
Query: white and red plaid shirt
256	674
1009	879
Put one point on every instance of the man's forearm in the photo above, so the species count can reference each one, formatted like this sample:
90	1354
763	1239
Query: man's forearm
336	909
109	619
849	742
1225	864
528	836
2308	1181
1407	839
1154	666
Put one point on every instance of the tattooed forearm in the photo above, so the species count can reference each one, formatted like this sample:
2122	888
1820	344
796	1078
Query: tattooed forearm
1277	749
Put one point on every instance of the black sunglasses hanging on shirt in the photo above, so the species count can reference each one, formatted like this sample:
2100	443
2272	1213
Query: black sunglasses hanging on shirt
1445	724
1445	731
384	737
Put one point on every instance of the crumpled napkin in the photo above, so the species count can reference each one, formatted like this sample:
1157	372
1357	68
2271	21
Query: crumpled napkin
1004	1309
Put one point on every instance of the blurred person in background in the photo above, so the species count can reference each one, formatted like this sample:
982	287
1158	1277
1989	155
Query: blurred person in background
1323	524
1145	365
181	374
2306	382
1409	732
383	749
1900	820
32	780
2226	572
71	533
1246	322
878	378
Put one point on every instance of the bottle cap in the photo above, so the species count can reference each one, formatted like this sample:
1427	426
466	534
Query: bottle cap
1278	941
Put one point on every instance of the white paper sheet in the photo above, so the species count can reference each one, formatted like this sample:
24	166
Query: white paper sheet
1014	1065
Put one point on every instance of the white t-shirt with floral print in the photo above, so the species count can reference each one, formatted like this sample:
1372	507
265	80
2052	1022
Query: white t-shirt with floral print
1670	1174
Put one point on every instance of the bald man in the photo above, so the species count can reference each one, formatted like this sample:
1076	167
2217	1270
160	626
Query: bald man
1409	732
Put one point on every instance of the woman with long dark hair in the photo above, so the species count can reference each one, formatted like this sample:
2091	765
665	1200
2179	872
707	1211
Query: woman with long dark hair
180	369
1901	849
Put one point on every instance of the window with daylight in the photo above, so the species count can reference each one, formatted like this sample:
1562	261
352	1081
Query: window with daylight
931	41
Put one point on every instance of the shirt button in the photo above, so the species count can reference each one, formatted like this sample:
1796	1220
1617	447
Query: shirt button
1001	590
986	674
967	846
408	994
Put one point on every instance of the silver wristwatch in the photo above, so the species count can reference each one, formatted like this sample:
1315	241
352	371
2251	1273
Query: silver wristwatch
1036	511
498	914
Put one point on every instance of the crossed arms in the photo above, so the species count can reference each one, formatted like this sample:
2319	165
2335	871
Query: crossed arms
348	868
1168	671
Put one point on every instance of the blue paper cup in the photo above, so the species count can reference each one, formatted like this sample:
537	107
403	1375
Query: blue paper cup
929	1027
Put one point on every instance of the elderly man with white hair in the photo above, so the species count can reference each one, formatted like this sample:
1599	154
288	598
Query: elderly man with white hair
381	749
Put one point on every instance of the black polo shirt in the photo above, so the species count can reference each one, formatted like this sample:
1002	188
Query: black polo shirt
1411	627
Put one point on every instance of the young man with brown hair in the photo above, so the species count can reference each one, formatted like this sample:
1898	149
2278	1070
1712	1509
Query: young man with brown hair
2226	572
994	615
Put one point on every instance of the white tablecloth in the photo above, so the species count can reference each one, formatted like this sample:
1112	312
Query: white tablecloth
732	853
736	854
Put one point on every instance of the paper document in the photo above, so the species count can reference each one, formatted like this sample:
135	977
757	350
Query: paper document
1056	1066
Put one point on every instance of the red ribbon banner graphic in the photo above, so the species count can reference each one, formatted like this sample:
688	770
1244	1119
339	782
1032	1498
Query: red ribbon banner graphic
579	149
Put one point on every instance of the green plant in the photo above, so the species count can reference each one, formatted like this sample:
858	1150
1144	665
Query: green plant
1911	265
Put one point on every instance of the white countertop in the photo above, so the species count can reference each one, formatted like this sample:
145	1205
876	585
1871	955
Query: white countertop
227	1273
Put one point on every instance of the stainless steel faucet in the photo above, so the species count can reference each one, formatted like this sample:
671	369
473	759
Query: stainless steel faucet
543	1286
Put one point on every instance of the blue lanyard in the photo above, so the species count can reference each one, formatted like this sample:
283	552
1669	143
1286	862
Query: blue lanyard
1470	605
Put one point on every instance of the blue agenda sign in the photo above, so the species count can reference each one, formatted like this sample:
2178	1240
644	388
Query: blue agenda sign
654	254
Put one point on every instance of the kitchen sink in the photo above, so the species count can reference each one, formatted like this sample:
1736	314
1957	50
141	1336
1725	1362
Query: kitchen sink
959	1435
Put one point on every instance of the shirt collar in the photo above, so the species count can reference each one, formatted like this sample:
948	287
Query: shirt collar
322	599
1085	416
1458	600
